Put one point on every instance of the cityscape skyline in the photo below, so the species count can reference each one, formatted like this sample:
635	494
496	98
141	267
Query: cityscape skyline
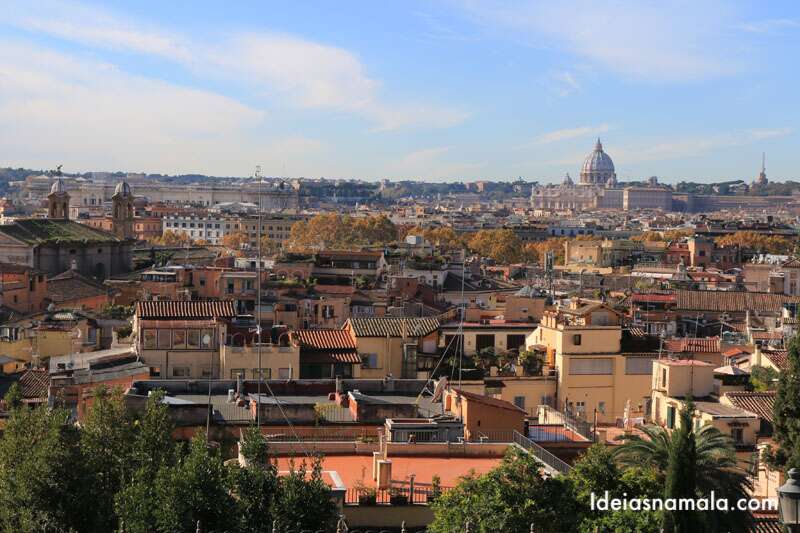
437	92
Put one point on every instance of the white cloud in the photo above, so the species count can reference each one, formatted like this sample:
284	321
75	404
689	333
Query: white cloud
570	133
683	148
769	25
651	41
432	163
564	83
61	109
303	72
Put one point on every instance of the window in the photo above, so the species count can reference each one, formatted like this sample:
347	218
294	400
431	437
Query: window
164	339
737	434
207	339
193	338
515	342
206	372
236	372
179	338
601	407
591	367
284	373
671	417
576	340
580	408
369	360
663	378
155	371
639	366
519	401
266	372
150	339
181	372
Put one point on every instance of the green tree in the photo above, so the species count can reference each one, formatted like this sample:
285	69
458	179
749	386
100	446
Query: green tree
106	440
255	484
691	461
13	397
153	450
787	412
508	498
763	378
41	486
597	473
303	499
194	489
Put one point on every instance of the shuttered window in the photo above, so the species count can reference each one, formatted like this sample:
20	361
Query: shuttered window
639	365
591	366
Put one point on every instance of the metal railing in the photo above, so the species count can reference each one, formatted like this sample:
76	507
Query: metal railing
568	420
397	495
540	453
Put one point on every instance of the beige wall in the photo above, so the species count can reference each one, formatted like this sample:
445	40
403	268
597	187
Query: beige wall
533	389
521	309
277	362
683	380
608	393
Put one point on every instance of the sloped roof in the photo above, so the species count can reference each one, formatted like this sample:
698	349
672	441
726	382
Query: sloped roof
71	285
325	339
43	230
393	326
34	384
779	358
203	309
693	345
488	400
760	403
729	301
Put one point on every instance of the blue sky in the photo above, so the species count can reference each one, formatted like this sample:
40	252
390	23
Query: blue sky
434	90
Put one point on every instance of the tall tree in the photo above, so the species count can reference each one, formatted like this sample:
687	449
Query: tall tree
106	441
194	489
254	484
691	461
303	499
787	412
41	486
508	498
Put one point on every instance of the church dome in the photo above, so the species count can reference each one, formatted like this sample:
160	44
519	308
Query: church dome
58	187
597	167
123	189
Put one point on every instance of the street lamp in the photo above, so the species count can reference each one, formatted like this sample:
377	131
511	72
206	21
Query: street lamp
789	501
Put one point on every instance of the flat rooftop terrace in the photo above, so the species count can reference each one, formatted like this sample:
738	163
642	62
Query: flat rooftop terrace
355	468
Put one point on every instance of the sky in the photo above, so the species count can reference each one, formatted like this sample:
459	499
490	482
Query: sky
434	90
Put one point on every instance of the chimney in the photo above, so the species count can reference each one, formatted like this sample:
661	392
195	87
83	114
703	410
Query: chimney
755	359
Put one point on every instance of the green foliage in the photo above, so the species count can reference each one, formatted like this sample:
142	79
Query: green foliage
106	442
117	312
508	498
194	489
787	412
41	483
303	500
691	462
763	378
531	361
13	397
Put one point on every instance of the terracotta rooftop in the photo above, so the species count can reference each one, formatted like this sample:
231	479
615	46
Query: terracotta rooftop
684	362
203	309
760	403
71	285
326	346
393	326
693	345
729	301
488	400
34	384
779	358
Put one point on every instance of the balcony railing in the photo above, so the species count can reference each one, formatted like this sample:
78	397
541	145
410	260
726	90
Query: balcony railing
541	454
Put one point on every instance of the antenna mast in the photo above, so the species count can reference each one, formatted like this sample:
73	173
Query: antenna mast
258	302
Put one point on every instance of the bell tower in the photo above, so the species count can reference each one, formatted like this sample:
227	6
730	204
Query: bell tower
122	212
58	202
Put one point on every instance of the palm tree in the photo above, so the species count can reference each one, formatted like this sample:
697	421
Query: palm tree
691	461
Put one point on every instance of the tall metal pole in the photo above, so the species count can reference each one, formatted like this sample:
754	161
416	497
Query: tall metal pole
258	303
